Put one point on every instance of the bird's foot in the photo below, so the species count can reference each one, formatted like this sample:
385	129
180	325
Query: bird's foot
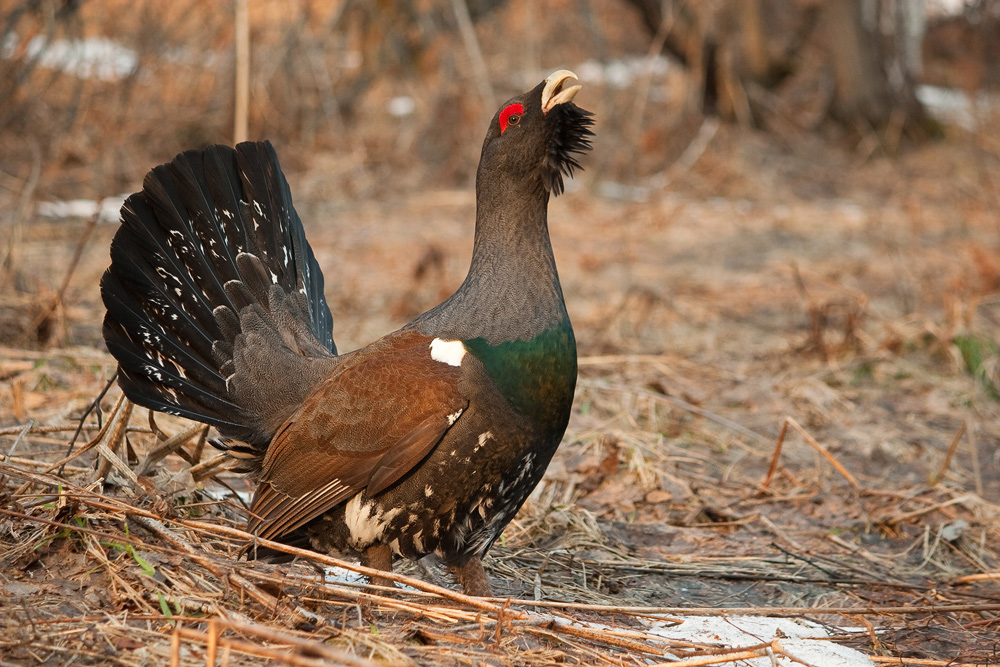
378	558
473	578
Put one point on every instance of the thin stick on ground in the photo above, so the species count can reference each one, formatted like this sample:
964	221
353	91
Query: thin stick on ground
299	615
771	469
977	474
13	448
94	405
167	447
118	421
489	604
939	475
90	445
824	452
209	467
277	637
728	657
282	655
906	662
900	518
983	576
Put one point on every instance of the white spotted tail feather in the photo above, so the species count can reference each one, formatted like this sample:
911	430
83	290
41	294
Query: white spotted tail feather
215	302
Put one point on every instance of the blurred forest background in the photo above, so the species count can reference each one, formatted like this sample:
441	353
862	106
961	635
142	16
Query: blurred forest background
789	225
92	92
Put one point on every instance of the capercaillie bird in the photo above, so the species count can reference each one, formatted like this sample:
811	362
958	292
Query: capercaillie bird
428	440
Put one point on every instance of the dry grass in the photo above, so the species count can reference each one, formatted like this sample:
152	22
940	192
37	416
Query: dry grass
656	506
745	290
669	496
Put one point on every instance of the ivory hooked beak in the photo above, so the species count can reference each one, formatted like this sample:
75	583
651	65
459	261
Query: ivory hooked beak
554	93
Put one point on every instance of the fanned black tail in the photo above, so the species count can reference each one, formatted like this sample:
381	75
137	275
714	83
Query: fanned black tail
215	302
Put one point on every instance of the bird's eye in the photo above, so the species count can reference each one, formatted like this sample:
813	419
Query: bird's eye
511	115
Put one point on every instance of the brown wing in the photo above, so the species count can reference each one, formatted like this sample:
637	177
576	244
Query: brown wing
378	415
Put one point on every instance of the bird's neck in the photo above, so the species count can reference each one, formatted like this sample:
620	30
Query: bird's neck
512	246
512	291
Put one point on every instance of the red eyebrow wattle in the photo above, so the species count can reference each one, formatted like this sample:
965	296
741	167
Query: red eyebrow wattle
509	111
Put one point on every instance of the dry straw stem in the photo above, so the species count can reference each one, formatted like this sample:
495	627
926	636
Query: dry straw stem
167	447
242	93
939	475
473	50
770	649
33	428
298	614
313	653
969	578
209	467
98	439
152	522
504	617
671	400
634	126
914	610
112	432
907	516
824	452
80	355
906	662
489	605
114	436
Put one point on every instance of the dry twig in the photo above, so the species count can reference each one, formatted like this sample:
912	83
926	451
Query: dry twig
824	452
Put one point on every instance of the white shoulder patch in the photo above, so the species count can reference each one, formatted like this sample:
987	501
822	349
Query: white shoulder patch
448	352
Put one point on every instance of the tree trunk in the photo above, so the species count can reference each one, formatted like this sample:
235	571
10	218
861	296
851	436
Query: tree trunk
794	65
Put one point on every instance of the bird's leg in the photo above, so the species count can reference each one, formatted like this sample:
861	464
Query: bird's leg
473	578
378	557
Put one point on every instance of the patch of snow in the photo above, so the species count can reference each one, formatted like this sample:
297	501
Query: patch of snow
622	72
220	493
341	575
948	105
90	58
618	73
806	641
401	106
107	208
623	191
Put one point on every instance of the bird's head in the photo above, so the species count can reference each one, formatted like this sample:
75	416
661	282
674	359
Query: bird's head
535	138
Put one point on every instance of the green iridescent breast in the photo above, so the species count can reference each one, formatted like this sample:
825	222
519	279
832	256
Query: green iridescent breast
537	376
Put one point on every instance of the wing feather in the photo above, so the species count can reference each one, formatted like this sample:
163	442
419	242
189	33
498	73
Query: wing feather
362	429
